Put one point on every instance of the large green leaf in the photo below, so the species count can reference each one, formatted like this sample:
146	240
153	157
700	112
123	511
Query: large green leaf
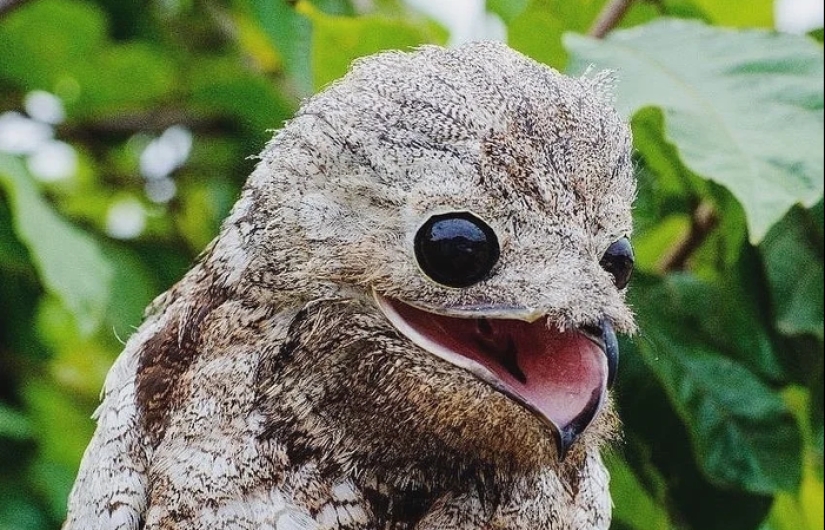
742	432
69	262
660	449
730	315
744	108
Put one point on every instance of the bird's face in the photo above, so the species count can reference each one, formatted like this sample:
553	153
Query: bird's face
478	204
522	288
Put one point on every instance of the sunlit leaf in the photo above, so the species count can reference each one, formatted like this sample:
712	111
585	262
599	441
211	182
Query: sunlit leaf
744	108
759	13
357	37
802	509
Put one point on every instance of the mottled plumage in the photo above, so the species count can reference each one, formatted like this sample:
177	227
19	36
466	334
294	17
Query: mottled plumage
271	389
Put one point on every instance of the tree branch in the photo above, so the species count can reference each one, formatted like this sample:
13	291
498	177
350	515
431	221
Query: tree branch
155	120
609	17
702	223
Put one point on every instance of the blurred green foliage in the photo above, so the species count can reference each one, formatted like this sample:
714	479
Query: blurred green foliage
722	391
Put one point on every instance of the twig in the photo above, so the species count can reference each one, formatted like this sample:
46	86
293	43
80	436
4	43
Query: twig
702	223
609	18
7	6
156	120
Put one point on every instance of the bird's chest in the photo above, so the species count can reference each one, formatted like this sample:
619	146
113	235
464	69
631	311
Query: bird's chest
344	506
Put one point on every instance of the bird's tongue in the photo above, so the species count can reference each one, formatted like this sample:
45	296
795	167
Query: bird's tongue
560	376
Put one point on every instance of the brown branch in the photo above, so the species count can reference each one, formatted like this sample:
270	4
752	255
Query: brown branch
156	120
7	6
609	17
702	223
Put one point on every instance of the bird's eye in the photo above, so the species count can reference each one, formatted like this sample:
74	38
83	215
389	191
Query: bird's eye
618	261
456	249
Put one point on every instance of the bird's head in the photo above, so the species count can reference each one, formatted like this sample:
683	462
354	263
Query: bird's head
455	224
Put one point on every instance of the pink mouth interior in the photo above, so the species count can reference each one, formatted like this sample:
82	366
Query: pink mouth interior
561	376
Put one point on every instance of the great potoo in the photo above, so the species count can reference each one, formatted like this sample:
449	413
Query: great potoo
407	322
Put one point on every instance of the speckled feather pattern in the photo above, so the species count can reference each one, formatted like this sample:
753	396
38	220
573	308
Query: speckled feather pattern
267	391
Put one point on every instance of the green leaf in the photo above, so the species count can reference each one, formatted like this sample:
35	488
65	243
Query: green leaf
352	38
802	509
684	9
537	30
507	9
122	78
660	450
13	424
655	242
758	13
637	509
792	251
220	85
133	288
661	156
62	426
744	108
291	35
69	262
39	39
335	7
19	511
78	364
52	481
742	432
730	314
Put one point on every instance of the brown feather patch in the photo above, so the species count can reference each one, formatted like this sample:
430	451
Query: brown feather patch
166	356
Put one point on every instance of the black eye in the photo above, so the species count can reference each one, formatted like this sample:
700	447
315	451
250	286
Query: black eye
618	261
456	249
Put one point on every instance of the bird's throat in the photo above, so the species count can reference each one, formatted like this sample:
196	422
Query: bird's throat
560	376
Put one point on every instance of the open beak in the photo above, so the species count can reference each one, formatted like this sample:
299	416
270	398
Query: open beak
560	376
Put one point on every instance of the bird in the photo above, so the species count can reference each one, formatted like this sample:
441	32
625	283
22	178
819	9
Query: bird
407	321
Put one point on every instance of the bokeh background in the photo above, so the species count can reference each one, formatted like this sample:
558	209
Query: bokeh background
126	130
